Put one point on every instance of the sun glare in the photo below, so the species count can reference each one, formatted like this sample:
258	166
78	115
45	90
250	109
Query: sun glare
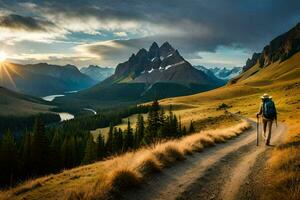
2	56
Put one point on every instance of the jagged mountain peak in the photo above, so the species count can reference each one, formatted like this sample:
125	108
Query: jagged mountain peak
159	64
154	51
166	45
141	52
153	46
166	49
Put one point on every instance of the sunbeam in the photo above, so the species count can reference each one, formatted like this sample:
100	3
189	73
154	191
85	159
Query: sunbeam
8	73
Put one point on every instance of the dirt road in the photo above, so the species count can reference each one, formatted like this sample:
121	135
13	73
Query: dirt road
226	171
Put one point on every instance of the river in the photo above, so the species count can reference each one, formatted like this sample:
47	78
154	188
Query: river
89	109
64	116
52	97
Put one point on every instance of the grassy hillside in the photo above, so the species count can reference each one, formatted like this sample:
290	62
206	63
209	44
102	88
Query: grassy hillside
281	80
106	178
18	112
16	104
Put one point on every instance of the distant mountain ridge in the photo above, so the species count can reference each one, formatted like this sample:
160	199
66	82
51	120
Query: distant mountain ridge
43	79
158	72
97	73
221	73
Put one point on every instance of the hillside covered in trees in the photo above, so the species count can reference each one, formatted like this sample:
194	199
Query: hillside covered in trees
50	149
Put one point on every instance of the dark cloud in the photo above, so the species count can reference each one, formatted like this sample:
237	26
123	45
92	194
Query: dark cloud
190	25
19	22
204	24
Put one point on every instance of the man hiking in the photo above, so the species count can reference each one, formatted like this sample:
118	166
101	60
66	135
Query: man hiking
269	114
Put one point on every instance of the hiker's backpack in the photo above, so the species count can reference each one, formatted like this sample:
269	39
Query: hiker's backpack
269	110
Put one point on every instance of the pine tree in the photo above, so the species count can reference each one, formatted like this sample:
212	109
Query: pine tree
100	147
26	154
184	131
179	128
174	126
162	117
120	139
8	159
192	128
117	141
68	153
55	156
163	125
140	130
128	138
90	151
40	148
152	123
109	141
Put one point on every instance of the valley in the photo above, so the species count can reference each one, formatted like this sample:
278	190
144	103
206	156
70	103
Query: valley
179	114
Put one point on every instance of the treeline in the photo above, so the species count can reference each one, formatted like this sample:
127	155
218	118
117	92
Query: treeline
43	151
104	118
20	123
157	127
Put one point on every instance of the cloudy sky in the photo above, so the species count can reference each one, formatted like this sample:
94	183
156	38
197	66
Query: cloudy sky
106	32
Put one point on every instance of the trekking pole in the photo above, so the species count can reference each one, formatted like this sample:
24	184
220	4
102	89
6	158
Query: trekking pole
257	130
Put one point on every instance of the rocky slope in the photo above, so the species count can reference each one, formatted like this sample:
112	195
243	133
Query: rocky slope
279	50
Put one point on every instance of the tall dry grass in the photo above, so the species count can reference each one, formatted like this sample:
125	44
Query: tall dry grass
107	179
130	169
284	168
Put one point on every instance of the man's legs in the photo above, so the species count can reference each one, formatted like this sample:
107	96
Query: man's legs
265	122
269	122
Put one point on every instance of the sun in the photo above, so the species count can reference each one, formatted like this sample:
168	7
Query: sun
3	56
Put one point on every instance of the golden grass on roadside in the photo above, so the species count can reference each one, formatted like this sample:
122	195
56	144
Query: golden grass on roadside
107	179
284	165
129	170
283	174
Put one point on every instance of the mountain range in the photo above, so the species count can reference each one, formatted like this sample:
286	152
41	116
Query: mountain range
43	79
97	73
221	73
160	64
158	72
126	84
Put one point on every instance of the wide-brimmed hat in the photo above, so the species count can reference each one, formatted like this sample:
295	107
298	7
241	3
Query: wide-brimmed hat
266	96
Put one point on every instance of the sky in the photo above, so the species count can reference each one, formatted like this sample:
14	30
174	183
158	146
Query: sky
221	33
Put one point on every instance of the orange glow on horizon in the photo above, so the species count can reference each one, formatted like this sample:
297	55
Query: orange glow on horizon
7	73
3	56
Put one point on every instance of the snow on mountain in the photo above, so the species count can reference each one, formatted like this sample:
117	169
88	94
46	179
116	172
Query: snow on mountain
97	73
221	73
